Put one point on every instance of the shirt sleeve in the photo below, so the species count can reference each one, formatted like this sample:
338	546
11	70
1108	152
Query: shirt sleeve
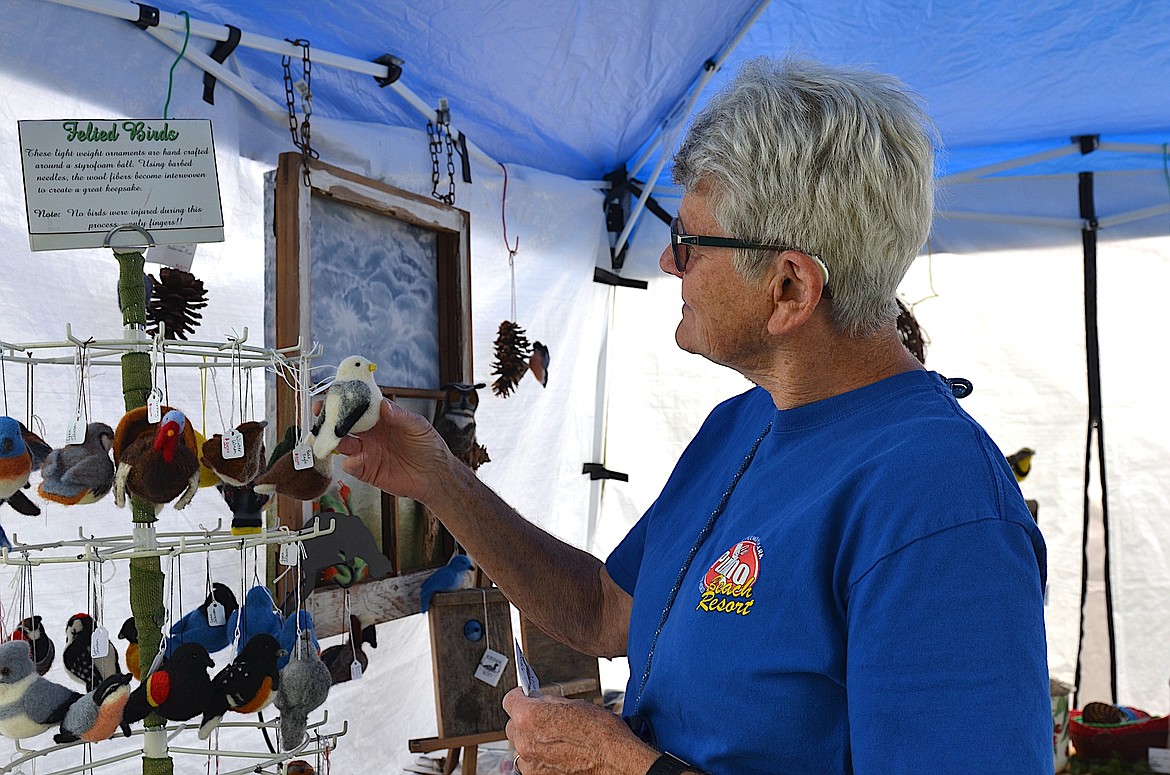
625	560
947	662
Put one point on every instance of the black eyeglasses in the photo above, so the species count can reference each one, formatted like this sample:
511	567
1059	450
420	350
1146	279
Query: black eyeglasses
680	244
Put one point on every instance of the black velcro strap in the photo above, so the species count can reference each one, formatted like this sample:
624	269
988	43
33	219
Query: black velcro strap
147	16
465	161
223	49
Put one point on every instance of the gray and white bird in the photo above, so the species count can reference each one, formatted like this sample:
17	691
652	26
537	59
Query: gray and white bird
304	687
351	405
97	715
80	473
29	702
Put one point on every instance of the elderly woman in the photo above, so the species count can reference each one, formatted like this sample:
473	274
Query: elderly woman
840	575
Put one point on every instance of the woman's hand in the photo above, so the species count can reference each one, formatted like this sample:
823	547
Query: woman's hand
402	454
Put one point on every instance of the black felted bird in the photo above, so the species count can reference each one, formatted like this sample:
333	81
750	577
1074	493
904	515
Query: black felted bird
340	658
246	685
40	644
78	661
129	633
247	506
1021	462
177	691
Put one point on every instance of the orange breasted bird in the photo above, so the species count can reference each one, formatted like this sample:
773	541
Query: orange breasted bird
95	716
80	473
246	685
129	633
16	464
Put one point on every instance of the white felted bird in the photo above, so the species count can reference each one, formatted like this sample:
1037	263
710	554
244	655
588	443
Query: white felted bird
351	406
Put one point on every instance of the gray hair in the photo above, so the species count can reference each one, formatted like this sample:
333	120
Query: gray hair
837	163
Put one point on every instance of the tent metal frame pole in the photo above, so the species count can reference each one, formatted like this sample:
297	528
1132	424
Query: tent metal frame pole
130	11
683	108
977	173
1023	220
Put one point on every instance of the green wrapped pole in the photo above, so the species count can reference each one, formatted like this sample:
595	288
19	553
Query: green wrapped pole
146	576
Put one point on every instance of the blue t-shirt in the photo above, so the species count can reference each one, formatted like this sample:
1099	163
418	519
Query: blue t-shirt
869	601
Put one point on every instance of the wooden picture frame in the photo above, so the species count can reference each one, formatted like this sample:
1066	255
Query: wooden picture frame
364	268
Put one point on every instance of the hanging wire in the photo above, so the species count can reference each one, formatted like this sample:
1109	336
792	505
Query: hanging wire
4	381
179	58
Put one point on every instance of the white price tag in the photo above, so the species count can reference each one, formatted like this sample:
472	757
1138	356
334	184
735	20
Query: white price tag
491	667
1159	759
216	617
355	670
75	433
154	406
302	457
290	553
528	680
232	445
99	643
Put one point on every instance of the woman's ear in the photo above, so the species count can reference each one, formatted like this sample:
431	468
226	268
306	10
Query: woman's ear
796	285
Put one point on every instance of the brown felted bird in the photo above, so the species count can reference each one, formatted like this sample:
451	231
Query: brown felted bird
237	471
159	467
305	485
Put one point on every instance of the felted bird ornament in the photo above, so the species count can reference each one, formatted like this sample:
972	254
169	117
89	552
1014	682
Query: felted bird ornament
237	471
257	616
77	658
96	716
1021	462
299	767
32	632
38	448
158	469
451	576
15	466
244	686
177	691
538	363
304	687
351	405
246	505
80	473
29	702
346	572
129	633
339	659
300	620
306	484
196	625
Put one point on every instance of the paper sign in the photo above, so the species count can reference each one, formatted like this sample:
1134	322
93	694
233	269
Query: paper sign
99	643
216	616
302	456
75	433
528	680
232	445
177	256
1159	760
154	406
491	667
355	670
83	178
290	553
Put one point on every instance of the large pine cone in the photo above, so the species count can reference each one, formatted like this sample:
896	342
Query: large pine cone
174	300
512	353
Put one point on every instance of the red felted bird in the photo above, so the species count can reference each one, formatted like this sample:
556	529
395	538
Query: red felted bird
246	685
158	467
177	691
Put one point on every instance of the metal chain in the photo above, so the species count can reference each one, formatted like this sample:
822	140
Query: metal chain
300	130
439	132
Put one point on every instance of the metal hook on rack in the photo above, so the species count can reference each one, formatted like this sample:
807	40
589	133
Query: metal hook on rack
129	227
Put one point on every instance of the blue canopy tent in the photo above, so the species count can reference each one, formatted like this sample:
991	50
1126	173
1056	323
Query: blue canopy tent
1052	115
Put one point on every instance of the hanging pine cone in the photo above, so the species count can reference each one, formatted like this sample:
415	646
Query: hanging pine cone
512	353
175	298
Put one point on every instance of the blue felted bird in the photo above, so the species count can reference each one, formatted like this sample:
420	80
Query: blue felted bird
244	686
351	405
450	576
288	635
29	702
80	473
258	615
16	464
196	627
304	687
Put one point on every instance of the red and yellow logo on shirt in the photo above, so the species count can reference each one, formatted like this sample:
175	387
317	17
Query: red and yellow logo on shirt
727	587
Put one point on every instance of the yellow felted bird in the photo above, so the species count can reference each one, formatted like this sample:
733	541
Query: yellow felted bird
1021	462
